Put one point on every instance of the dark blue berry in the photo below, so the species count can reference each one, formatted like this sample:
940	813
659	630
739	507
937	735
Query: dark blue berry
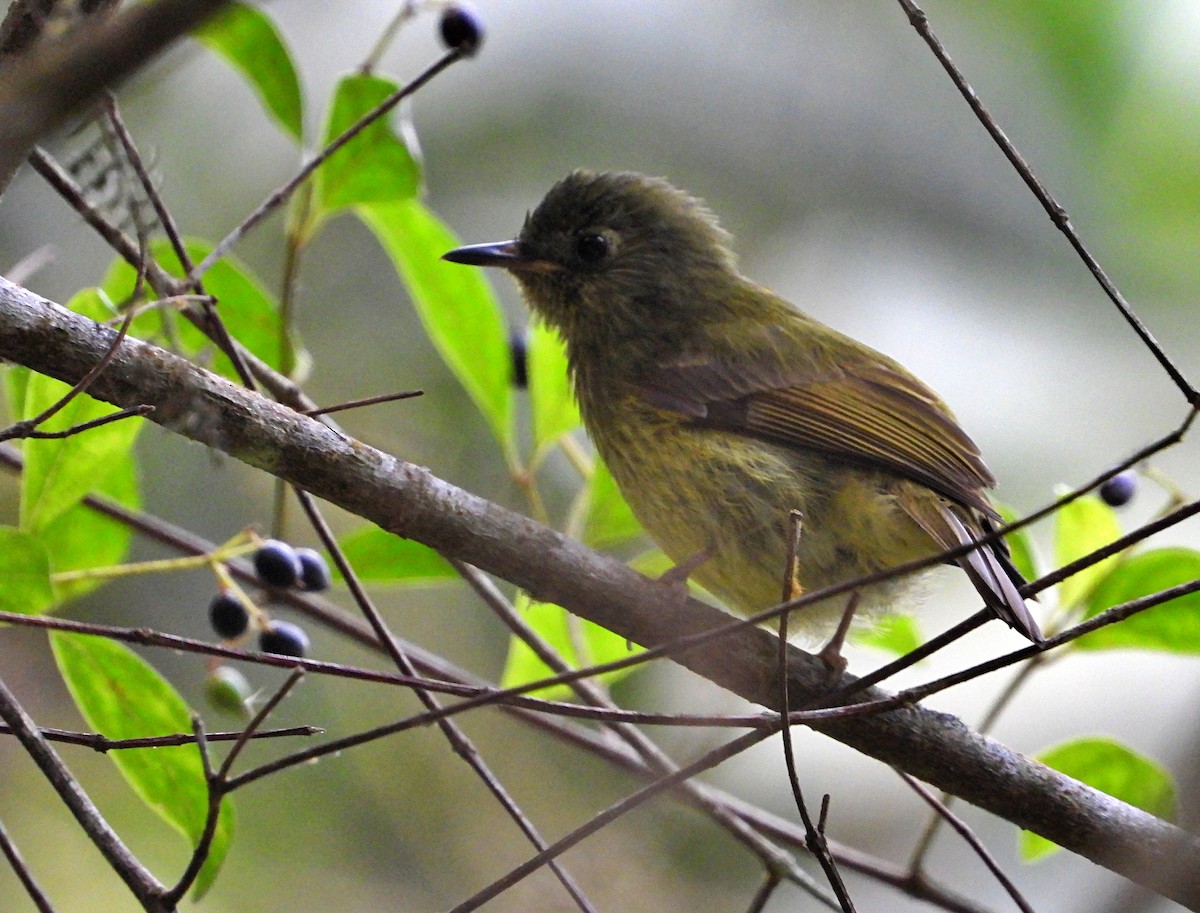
228	616
518	345
276	564
462	29
314	572
284	638
1118	491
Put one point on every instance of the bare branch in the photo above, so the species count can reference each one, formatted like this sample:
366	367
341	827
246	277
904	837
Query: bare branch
144	886
412	502
21	870
41	90
1058	215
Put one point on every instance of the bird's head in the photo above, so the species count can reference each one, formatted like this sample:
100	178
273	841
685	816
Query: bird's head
616	257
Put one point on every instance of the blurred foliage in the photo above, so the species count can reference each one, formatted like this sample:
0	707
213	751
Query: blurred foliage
1136	137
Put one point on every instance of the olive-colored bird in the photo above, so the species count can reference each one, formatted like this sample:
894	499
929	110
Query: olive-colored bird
720	408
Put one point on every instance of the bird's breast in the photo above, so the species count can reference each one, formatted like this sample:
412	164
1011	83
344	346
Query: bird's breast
699	491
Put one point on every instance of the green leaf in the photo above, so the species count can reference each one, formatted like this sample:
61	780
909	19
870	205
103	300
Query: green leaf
553	406
24	573
579	643
16	381
382	557
610	521
1112	768
1083	526
123	697
1173	627
376	166
248	311
98	303
250	43
82	537
1020	545
59	472
458	309
898	634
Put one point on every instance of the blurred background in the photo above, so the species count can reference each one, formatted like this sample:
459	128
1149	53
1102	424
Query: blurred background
859	185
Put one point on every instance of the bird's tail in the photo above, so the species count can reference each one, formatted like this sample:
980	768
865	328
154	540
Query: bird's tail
994	575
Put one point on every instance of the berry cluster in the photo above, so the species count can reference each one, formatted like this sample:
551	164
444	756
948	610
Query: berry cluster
279	566
231	614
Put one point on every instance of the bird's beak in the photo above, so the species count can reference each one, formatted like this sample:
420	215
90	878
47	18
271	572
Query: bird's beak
509	255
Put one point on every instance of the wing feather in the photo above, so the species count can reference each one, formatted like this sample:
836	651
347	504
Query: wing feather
866	410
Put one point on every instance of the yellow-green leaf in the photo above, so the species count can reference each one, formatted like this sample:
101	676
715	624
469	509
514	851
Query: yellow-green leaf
577	642
375	166
247	38
1081	527
382	557
24	573
1112	768
610	520
550	399
60	471
122	697
458	309
1173	627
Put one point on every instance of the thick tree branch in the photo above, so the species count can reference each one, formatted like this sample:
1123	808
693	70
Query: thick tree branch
410	501
38	91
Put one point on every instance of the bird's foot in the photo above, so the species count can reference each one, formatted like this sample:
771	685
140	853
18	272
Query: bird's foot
831	653
677	576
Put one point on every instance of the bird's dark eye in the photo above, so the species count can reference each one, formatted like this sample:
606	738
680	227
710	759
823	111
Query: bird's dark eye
592	247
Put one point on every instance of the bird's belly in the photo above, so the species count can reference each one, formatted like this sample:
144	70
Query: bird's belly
725	501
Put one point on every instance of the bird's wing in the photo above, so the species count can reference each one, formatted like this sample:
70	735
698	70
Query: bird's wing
866	410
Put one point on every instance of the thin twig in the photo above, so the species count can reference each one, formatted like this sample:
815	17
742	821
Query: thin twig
21	870
1067	570
759	901
1058	215
102	744
223	338
365	401
814	836
212	816
258	719
387	35
606	817
917	859
150	638
218	782
136	412
1108	617
26	428
969	837
126	247
282	388
458	740
145	887
777	861
281	194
